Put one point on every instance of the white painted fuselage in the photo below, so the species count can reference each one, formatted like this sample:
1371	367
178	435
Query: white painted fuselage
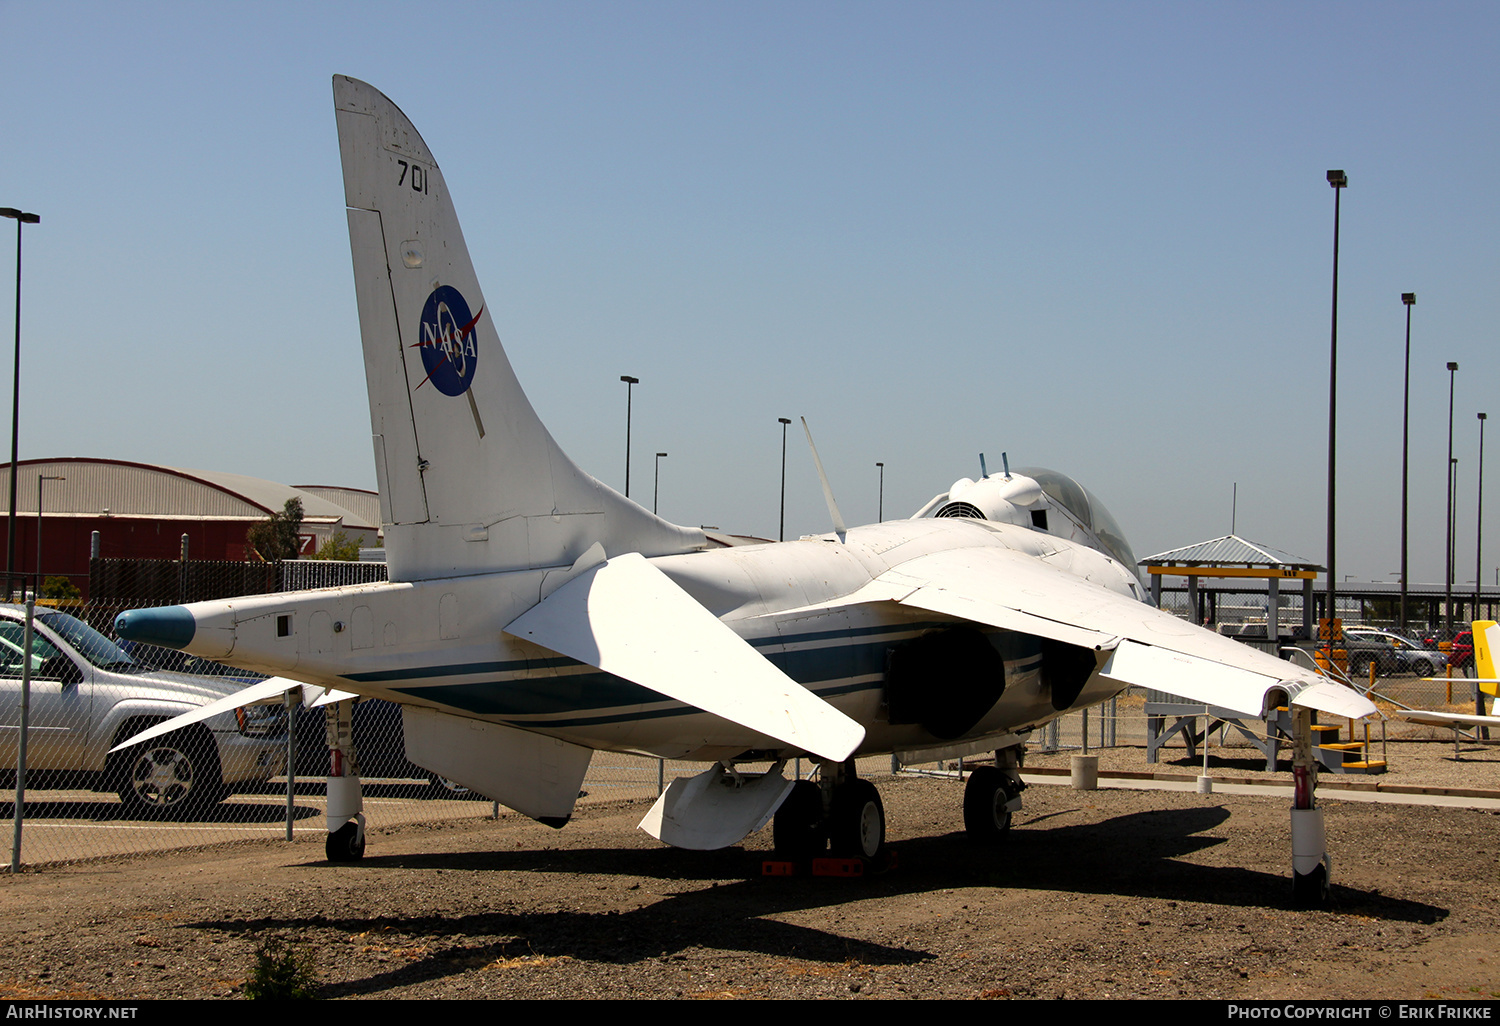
442	643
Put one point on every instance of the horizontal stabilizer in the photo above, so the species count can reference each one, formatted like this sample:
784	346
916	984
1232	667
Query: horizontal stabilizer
268	690
626	617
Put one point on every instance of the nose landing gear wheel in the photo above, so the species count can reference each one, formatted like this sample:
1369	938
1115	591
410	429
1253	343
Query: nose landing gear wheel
347	843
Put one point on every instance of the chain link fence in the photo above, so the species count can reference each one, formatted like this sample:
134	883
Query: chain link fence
1422	667
221	781
227	779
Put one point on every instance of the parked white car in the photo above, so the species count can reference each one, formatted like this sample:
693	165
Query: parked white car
88	694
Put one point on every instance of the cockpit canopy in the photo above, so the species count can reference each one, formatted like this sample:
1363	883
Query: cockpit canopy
1085	507
1039	498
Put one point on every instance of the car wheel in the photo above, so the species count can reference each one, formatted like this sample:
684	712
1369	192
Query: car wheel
442	787
174	777
1422	668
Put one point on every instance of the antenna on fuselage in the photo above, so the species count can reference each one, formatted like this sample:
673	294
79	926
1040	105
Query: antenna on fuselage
984	471
833	507
1004	462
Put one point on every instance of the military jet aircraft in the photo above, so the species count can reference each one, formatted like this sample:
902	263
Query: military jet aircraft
533	615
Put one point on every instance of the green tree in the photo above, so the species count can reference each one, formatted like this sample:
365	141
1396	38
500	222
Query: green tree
276	538
60	588
338	546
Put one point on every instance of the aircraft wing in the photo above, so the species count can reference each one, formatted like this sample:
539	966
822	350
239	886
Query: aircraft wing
1148	647
626	617
1489	685
1442	719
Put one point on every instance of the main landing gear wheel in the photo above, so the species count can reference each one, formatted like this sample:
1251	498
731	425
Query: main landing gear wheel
857	820
347	843
985	816
798	831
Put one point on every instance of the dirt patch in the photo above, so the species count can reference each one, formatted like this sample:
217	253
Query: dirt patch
1111	893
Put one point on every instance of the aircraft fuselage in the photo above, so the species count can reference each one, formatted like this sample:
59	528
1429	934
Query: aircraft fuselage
442	643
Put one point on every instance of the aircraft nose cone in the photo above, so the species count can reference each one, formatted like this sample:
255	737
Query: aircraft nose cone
168	626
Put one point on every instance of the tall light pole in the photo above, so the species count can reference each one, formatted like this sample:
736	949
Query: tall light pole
629	382
1339	181
781	534
656	488
1409	299
1479	520
37	589
1448	574
880	515
21	218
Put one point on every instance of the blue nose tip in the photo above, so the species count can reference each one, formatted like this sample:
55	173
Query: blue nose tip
168	626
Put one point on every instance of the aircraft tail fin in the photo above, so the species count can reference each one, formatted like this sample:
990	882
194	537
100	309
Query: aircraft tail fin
1486	642
470	479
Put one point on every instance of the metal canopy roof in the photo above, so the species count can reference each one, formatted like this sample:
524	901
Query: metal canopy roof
1230	550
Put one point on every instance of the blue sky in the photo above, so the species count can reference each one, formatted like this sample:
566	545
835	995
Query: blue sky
1094	235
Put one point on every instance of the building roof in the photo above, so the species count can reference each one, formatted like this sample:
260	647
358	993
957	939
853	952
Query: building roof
121	488
1230	550
362	502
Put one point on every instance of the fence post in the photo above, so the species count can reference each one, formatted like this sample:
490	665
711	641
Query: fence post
20	808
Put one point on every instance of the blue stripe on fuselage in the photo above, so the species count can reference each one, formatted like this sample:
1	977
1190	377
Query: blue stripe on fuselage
595	697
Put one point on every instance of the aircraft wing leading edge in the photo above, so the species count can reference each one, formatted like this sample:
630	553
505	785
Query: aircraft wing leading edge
1148	647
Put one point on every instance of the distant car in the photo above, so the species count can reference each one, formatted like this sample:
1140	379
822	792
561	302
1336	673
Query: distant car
380	742
378	735
1390	652
1462	653
88	694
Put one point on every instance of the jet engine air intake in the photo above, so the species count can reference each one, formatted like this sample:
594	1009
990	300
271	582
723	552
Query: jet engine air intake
1065	670
945	680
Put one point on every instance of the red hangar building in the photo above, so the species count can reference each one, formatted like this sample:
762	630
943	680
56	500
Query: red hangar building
141	511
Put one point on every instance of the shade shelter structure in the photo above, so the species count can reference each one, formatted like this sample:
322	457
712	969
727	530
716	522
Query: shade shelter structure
1234	557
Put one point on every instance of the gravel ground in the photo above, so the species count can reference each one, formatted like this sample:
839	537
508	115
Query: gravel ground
1112	893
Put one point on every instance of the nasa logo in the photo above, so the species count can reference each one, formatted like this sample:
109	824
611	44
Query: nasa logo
447	341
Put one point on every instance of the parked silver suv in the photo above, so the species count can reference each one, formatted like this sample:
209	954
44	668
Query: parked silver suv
88	695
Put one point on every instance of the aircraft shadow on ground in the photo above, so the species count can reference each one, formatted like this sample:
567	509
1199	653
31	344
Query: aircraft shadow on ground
1137	855
1141	854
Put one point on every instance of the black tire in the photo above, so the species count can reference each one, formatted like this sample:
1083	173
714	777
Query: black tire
798	831
173	777
985	815
346	844
857	820
1422	668
1310	890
